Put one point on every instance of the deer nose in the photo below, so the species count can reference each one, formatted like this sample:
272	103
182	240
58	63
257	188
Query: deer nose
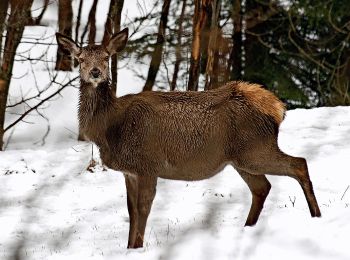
95	72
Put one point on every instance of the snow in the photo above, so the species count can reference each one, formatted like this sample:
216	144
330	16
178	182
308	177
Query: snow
52	208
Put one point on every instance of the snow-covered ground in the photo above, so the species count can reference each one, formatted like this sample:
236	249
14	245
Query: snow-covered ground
52	208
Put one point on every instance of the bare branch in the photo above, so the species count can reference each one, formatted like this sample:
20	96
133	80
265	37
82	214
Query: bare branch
63	86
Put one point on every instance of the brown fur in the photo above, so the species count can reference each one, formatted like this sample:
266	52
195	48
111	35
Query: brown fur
266	102
187	136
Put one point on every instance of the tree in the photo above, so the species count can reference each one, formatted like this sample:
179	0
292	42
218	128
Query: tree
91	25
202	8
3	12
211	80
301	51
158	49
65	23
37	20
113	26
18	18
178	46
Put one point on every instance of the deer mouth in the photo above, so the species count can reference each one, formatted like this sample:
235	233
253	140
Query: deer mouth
95	81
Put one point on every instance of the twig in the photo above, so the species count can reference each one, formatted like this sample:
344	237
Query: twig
40	103
92	163
43	139
344	192
292	201
9	138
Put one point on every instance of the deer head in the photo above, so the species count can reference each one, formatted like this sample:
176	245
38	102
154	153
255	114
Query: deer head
94	59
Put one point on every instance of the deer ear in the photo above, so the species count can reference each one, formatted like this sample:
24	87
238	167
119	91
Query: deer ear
67	44
118	41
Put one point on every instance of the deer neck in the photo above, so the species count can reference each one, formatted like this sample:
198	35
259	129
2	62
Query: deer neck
97	107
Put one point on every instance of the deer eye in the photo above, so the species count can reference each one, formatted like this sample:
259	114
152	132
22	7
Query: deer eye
106	58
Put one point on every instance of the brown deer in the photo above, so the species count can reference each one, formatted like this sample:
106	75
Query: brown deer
181	135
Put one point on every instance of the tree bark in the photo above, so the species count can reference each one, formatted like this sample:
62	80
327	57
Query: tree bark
199	20
19	17
3	12
178	47
211	76
234	65
91	25
157	53
92	21
113	26
77	26
65	20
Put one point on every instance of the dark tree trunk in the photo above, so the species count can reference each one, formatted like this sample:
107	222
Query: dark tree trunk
3	12
77	26
113	26
90	25
178	47
234	66
235	57
65	19
158	49
19	17
199	20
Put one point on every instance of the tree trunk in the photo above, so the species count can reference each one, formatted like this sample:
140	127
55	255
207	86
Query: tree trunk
178	47
65	19
92	21
234	66
199	20
37	20
77	26
19	16
4	85
113	26
157	53
3	12
211	76
91	25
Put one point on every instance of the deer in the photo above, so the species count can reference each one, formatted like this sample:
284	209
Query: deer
188	135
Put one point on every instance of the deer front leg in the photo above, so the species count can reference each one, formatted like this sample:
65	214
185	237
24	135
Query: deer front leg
146	193
131	190
140	194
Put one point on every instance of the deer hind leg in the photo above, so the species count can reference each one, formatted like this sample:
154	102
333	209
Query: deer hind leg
275	162
260	188
140	194
301	174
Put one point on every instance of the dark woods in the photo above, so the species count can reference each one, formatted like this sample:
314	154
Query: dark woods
298	49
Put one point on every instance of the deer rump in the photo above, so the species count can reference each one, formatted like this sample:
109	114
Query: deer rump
192	135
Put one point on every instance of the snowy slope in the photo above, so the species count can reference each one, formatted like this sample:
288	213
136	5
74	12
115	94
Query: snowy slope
51	208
